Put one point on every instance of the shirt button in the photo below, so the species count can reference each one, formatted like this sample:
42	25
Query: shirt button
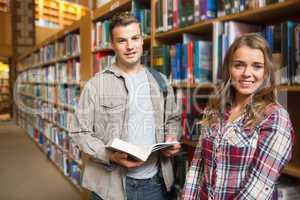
266	188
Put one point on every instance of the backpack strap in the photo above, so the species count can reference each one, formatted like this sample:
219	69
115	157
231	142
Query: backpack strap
163	89
161	82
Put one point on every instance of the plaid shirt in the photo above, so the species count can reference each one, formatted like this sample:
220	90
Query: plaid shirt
233	162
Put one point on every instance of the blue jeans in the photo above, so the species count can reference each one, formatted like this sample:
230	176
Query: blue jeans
146	189
142	189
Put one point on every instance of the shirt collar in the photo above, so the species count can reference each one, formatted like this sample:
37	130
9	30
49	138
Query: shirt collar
115	70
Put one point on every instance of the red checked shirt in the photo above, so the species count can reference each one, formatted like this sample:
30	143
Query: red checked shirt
233	162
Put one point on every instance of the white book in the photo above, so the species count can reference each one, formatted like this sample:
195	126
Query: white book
137	152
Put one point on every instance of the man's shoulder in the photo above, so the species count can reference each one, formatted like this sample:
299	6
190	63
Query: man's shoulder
99	76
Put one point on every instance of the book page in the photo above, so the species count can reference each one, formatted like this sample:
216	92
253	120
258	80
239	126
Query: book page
162	145
136	152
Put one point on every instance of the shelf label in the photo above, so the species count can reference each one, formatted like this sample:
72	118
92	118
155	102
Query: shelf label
114	5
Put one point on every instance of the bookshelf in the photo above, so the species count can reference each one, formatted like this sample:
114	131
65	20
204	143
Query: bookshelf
4	88
91	53
264	15
50	77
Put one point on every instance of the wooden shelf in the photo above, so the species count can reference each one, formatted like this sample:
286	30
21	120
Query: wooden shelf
62	59
193	85
108	50
147	40
289	88
264	15
276	12
292	169
203	27
109	8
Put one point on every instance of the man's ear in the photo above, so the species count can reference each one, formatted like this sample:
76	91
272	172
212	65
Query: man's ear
111	44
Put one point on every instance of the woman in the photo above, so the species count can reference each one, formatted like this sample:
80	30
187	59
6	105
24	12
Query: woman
247	137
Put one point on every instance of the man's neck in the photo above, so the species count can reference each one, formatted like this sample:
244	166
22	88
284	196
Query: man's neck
130	69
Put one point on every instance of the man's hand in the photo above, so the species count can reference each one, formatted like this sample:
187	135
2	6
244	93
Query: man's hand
123	160
171	151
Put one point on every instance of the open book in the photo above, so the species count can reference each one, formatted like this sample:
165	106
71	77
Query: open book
136	152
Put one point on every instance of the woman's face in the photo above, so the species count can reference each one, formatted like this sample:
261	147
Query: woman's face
247	70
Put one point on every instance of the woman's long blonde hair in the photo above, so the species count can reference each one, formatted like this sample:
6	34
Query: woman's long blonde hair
265	95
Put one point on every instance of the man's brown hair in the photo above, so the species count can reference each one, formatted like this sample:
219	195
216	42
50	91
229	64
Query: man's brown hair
122	19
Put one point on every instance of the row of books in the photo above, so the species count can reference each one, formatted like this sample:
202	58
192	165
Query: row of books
64	95
227	7
101	38
61	72
45	120
171	14
62	160
53	133
68	46
141	10
192	103
59	137
60	117
186	62
68	95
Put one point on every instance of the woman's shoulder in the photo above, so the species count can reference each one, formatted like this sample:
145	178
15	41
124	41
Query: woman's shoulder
276	113
275	109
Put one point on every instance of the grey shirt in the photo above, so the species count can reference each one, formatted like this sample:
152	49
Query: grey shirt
141	123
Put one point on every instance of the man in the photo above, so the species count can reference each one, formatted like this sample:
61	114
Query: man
124	101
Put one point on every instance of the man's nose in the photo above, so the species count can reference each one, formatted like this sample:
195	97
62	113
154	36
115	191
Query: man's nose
129	44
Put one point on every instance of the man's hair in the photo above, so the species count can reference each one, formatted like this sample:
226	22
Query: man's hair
122	19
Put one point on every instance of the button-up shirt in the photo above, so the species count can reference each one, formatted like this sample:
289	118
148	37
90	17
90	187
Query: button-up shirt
234	162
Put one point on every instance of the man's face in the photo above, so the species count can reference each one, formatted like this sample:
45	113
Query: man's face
127	42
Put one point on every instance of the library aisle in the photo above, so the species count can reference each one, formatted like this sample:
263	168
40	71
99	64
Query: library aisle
25	171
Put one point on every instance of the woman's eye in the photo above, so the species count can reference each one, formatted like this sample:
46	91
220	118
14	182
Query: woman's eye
238	65
257	67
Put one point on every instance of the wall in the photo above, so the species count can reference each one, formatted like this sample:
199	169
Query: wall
5	35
